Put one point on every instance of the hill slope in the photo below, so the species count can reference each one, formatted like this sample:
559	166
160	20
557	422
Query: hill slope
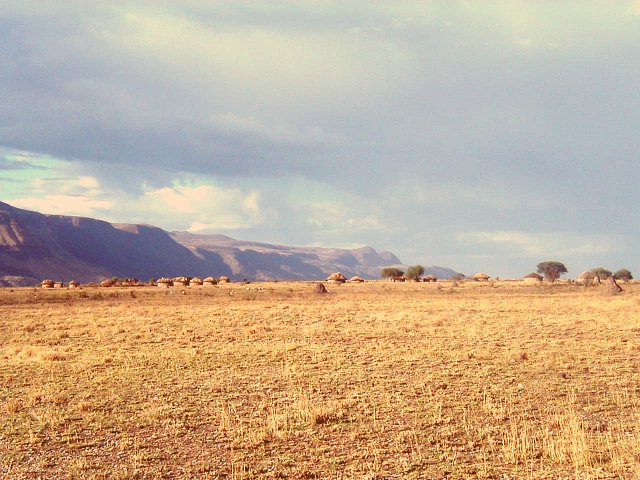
34	246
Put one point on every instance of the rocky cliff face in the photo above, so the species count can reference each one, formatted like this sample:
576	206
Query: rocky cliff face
35	246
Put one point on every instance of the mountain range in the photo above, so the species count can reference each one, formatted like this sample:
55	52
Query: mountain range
34	246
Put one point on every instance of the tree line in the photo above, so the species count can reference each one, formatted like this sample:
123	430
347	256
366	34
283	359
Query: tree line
551	270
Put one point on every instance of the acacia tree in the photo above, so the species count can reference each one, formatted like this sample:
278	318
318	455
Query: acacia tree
389	272
551	270
415	272
623	274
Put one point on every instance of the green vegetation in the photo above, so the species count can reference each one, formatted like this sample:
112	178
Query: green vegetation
390	272
551	270
623	274
415	272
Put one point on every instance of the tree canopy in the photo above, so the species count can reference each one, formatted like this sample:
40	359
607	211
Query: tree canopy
389	272
414	272
551	270
623	274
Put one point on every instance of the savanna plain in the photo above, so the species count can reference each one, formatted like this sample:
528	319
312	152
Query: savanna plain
378	380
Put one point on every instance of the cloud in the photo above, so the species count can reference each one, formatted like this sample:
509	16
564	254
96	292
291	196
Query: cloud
398	124
78	205
540	244
249	126
202	208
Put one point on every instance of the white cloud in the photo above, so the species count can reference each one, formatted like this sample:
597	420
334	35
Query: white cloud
340	216
261	62
200	208
540	243
78	205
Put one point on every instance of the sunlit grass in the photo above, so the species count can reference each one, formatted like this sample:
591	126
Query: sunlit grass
376	380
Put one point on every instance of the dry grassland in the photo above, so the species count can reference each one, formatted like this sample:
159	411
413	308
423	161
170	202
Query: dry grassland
377	380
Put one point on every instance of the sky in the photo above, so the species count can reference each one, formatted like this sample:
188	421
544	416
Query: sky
477	135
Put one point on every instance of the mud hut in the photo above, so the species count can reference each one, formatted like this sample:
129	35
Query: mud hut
430	278
73	284
587	278
164	282
195	281
336	277
47	283
481	277
356	279
224	279
532	278
209	281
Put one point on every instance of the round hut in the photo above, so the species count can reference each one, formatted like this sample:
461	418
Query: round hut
481	277
164	282
73	284
196	281
224	279
47	283
209	281
532	278
336	277
356	279
430	278
180	281
587	278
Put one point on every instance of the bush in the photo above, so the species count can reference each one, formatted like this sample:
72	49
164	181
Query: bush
414	272
390	272
623	274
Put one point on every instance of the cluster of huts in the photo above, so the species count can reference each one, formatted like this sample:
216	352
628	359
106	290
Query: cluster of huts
338	277
587	278
191	281
57	284
162	282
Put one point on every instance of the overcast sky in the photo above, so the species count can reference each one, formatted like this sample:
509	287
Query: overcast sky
477	135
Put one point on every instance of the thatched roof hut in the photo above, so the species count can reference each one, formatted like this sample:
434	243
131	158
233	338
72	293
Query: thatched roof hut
356	279
210	281
481	277
224	279
532	278
336	277
73	284
107	283
196	281
587	278
430	278
47	283
180	281
164	282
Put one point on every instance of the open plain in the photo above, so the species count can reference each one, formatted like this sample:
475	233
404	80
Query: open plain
272	380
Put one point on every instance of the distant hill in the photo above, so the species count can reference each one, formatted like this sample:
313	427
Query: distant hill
34	246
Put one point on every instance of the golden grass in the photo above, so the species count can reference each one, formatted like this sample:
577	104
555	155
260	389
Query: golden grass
375	380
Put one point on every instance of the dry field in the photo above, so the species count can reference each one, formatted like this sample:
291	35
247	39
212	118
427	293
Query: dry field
272	380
